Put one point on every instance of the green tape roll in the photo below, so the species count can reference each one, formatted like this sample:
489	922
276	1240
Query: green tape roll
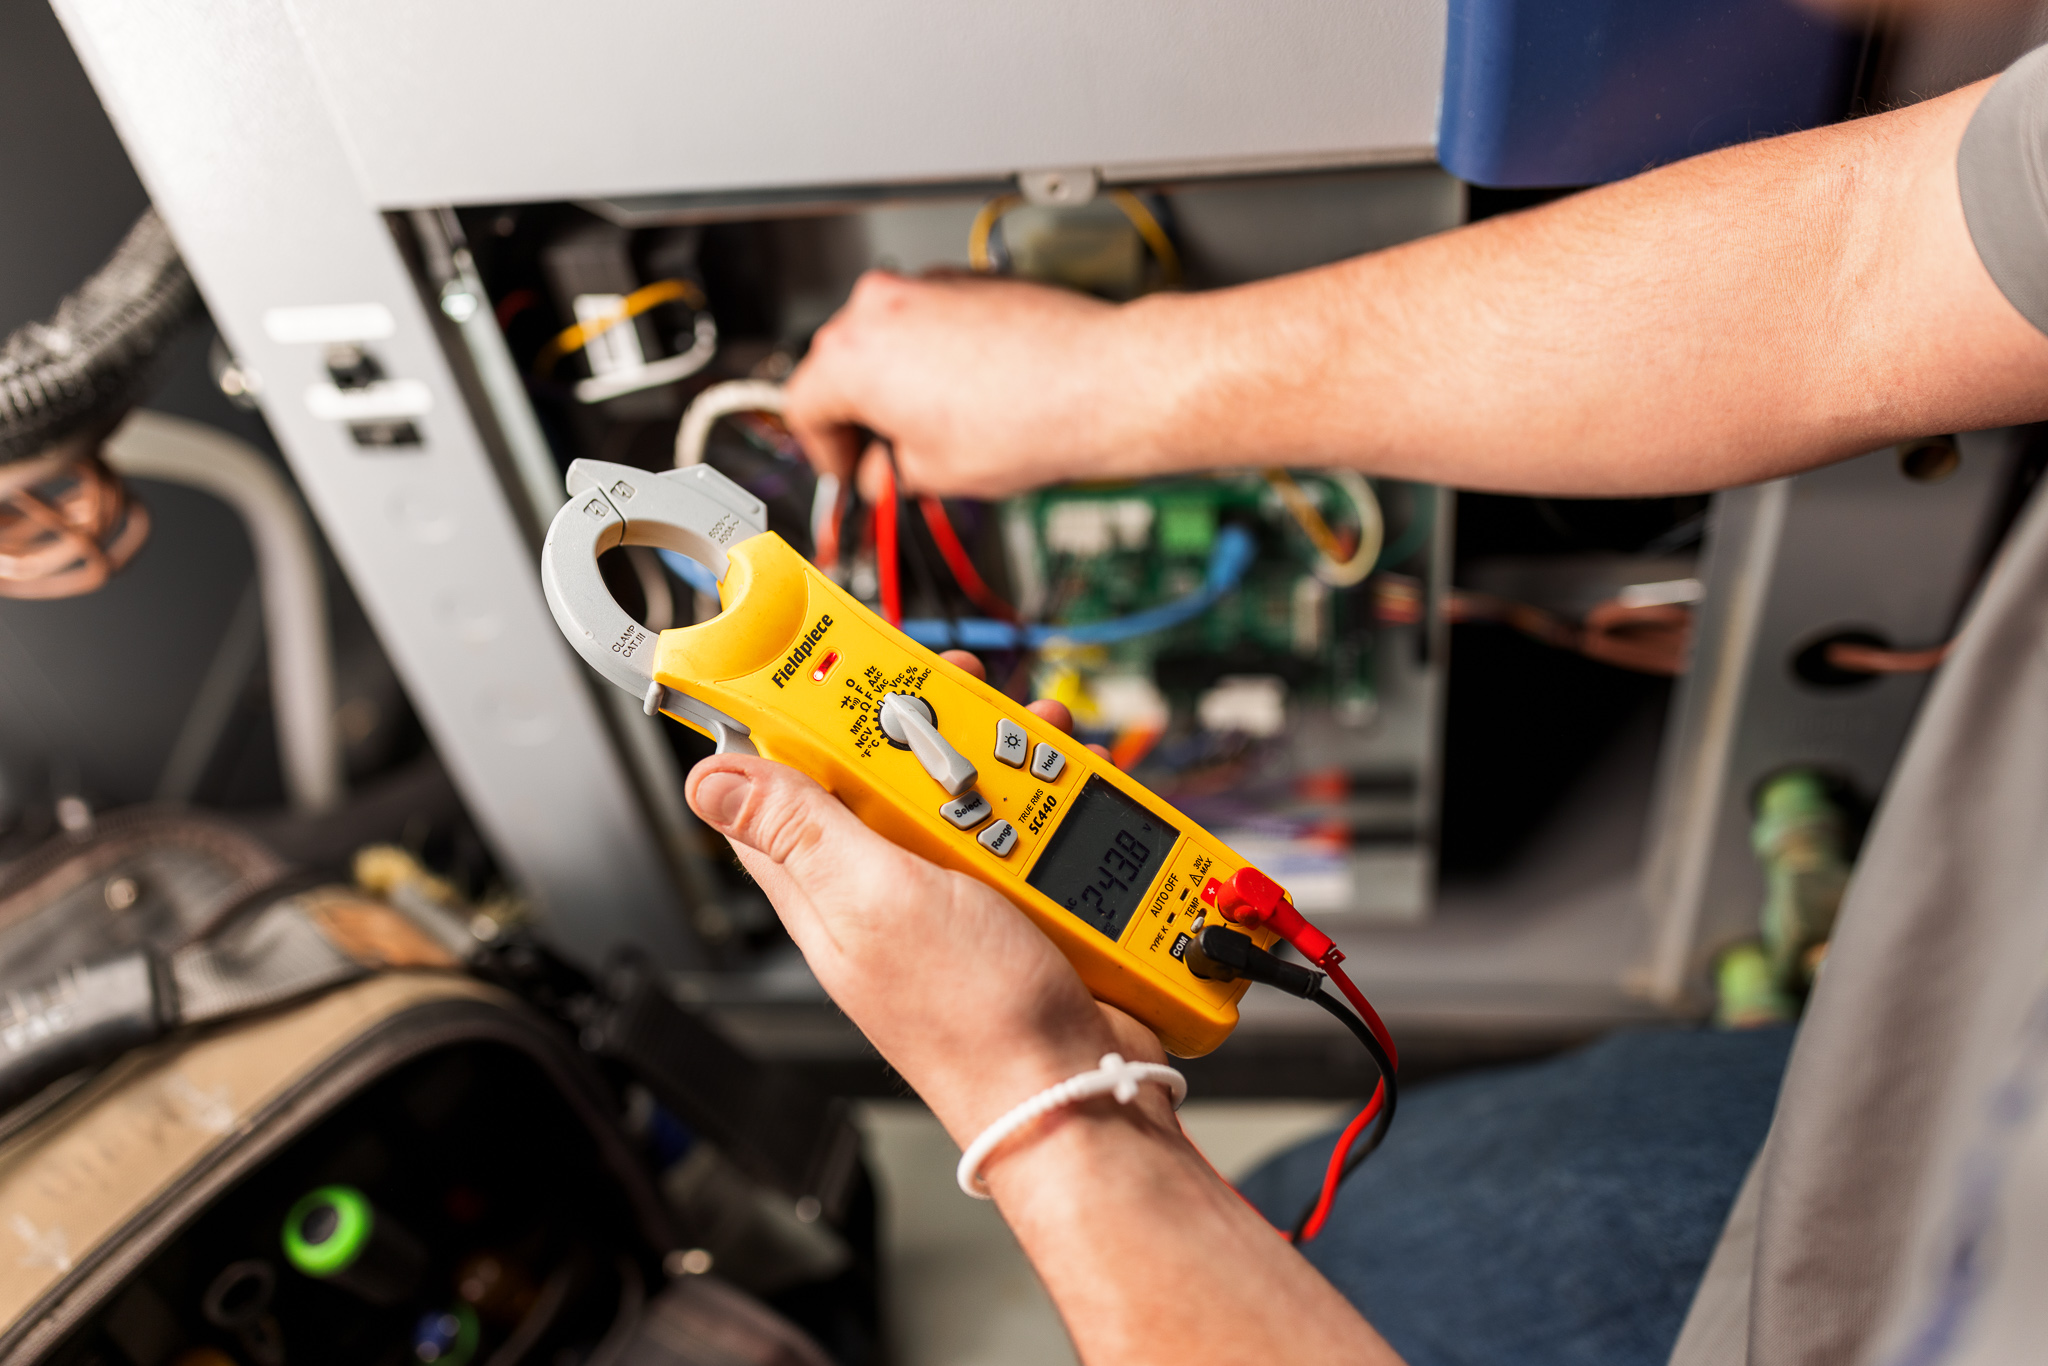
327	1230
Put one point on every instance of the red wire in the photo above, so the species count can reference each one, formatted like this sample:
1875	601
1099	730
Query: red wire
1316	946
514	304
887	568
956	558
1365	1011
1333	1175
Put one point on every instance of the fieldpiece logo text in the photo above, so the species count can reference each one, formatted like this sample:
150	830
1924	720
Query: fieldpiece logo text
802	651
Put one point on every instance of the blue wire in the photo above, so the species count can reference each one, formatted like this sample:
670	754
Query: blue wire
1229	558
689	571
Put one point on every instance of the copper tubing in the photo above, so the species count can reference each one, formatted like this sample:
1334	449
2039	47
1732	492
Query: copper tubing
67	524
1871	659
1653	638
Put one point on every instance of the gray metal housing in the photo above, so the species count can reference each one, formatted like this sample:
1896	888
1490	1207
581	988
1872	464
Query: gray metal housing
279	137
274	137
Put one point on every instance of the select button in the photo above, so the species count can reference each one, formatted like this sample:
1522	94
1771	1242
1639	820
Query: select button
966	811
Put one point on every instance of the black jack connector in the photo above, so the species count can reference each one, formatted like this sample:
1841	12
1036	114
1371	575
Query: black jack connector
1222	954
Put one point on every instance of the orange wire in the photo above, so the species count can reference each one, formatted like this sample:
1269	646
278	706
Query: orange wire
1130	747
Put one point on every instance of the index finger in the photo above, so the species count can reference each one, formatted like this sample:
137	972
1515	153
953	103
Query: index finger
825	430
1046	709
968	660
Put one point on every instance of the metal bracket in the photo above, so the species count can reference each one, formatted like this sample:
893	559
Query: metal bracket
1060	189
697	512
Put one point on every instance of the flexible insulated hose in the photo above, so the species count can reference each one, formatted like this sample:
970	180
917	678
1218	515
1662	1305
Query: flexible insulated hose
85	365
158	446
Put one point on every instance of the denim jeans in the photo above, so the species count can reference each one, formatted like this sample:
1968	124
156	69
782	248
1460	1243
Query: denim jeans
1557	1213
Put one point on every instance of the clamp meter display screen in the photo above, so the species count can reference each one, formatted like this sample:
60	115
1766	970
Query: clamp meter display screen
1103	857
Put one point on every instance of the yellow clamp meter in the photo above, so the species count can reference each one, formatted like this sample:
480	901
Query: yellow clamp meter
797	670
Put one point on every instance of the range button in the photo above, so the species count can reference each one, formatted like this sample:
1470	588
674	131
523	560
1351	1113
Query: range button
999	839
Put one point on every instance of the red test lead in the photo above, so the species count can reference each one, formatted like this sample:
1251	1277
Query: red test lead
1253	900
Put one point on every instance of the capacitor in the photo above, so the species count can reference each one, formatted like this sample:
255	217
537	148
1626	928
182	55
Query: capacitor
335	1234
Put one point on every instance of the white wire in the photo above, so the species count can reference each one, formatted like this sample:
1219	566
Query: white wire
1372	532
824	506
1114	1077
669	369
156	446
722	400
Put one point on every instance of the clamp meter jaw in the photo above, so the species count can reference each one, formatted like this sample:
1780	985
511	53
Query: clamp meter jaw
697	512
797	670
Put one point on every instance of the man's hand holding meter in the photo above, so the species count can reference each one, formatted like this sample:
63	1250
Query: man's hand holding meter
935	967
977	1009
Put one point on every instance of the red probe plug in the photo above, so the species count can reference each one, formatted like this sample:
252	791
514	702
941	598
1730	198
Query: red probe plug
1254	900
1251	898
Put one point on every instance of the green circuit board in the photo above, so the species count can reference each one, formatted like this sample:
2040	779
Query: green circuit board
1097	553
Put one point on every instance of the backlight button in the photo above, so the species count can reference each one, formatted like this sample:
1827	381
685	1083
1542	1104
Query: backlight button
1011	743
968	811
999	839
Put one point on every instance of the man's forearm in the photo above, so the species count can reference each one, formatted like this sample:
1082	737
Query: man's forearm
1734	317
1150	1257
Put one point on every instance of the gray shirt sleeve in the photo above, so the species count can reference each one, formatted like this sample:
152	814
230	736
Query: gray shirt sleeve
2002	170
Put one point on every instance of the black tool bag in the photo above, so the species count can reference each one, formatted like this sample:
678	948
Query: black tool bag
541	1194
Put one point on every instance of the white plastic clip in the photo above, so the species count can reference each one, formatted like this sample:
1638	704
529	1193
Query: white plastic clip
1114	1077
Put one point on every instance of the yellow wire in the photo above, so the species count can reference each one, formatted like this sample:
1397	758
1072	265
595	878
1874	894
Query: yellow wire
573	339
1154	235
1148	226
984	225
1306	513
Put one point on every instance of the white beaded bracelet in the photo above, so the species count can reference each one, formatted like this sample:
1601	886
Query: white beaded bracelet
1114	1077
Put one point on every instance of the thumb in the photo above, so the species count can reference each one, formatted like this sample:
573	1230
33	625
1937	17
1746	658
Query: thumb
799	842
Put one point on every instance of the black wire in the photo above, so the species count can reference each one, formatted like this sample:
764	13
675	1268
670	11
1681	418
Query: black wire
924	549
1380	1125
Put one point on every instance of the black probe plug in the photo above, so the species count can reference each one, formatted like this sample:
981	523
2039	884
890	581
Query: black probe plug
1221	954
